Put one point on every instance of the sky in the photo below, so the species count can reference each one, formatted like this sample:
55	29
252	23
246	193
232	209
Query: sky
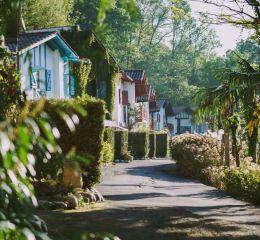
229	35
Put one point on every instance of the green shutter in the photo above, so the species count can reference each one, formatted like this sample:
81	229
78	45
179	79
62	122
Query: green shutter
72	86
48	80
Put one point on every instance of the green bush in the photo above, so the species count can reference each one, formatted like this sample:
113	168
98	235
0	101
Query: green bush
152	145
121	144
86	139
162	145
195	153
138	144
109	136
243	182
108	153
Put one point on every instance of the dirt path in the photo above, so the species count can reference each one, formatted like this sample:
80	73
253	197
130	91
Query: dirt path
145	202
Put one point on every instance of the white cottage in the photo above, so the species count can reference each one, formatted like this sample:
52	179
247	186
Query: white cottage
182	121
44	63
159	115
124	101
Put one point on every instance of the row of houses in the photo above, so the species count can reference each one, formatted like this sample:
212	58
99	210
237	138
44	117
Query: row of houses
45	62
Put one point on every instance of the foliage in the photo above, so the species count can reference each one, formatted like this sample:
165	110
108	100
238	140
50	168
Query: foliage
46	13
152	145
109	137
138	144
10	86
17	144
162	144
84	139
243	13
160	37
104	71
194	153
121	144
107	153
243	182
81	73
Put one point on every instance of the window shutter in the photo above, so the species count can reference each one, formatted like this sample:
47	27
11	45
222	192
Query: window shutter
72	86
48	80
125	98
65	84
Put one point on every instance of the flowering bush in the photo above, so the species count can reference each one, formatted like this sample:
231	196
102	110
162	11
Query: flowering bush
195	153
243	182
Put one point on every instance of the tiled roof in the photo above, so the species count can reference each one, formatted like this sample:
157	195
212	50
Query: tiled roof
136	75
28	39
180	109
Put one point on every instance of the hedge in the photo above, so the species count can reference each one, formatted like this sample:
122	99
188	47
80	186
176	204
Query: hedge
138	144
162	145
87	138
121	144
109	142
152	145
194	154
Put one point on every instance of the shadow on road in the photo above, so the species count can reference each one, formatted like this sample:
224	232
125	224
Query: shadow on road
143	223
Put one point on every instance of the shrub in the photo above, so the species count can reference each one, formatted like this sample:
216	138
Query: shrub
121	144
109	137
138	144
87	136
108	153
243	182
195	153
162	145
152	145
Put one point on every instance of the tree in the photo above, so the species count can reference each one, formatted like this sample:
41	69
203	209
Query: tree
46	13
239	87
242	13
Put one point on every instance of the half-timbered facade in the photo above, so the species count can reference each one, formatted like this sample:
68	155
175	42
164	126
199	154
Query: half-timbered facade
182	121
44	63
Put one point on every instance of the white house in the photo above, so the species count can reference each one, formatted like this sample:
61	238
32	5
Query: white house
160	113
44	63
182	121
141	96
124	101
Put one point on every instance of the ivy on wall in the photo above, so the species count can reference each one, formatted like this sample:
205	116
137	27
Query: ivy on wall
104	70
81	73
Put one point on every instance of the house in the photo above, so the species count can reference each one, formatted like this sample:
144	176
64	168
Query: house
44	64
160	113
105	71
141	96
124	102
182	121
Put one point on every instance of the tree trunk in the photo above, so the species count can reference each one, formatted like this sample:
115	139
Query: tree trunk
226	144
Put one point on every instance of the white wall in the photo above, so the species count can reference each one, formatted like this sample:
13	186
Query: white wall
198	128
42	58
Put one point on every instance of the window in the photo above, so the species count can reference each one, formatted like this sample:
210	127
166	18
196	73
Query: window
119	96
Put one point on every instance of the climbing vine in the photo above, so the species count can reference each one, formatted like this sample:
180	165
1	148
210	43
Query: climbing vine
104	70
81	73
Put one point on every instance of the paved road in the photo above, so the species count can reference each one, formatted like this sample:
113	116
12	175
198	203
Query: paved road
149	183
145	201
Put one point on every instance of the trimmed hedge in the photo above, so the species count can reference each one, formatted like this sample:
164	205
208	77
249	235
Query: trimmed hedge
152	145
87	138
121	144
162	145
138	144
109	142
